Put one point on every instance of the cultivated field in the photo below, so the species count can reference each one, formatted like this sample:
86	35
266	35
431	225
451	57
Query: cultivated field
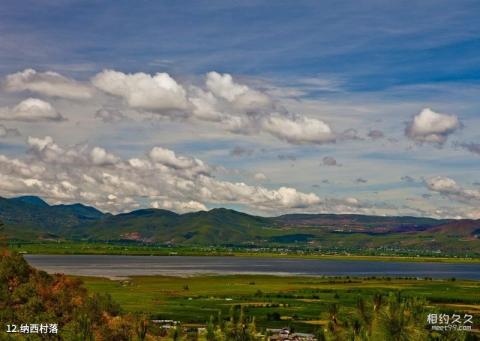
299	302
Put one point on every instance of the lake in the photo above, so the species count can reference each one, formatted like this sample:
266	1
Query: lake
123	266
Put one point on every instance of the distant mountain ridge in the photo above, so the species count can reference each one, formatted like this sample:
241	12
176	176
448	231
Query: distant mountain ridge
33	213
30	199
31	218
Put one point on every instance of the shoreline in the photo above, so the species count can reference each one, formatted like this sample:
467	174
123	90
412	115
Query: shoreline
406	259
104	248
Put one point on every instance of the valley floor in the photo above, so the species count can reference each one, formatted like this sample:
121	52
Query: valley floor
302	303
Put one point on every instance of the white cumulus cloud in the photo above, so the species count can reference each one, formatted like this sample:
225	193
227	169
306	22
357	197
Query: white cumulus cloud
450	188
143	91
298	129
100	156
31	110
46	83
241	96
180	206
170	159
430	126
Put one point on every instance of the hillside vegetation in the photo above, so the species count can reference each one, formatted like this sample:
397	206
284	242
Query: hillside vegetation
29	296
32	219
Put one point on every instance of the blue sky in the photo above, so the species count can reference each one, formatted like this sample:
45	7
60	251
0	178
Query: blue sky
356	67
374	44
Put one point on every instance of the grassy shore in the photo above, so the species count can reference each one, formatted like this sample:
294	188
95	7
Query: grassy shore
90	248
421	259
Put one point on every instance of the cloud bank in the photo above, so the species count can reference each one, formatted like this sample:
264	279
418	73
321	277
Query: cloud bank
221	100
95	176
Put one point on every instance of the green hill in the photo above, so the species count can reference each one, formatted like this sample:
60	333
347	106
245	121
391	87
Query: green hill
218	226
30	218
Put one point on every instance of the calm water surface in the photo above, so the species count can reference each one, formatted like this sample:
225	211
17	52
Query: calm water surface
124	266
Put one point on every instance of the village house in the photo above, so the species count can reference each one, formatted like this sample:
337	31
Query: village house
284	334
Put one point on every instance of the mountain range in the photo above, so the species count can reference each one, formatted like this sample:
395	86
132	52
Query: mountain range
29	218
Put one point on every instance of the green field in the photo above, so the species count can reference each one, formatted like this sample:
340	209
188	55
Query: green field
102	248
299	302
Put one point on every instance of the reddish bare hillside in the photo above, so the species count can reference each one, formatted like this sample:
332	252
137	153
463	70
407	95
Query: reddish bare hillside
465	228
